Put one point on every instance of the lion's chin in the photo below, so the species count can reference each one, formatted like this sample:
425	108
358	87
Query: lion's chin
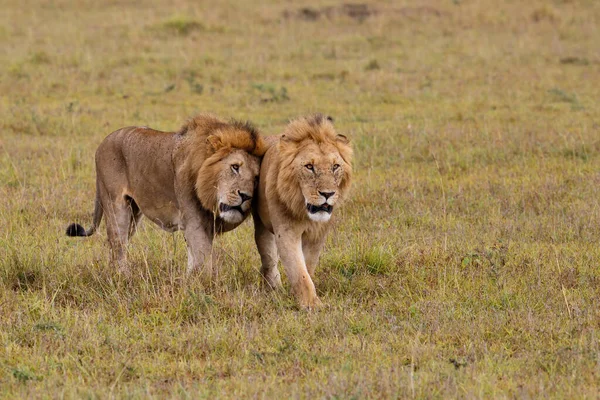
320	213
232	216
321	216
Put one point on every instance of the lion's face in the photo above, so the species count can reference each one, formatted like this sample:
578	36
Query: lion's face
314	168
320	170
236	184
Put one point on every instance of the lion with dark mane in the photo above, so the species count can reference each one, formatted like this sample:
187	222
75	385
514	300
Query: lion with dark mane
200	179
304	177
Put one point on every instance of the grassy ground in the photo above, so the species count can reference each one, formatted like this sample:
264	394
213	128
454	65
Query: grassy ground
466	263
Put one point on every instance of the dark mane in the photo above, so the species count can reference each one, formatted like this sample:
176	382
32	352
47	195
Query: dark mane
201	122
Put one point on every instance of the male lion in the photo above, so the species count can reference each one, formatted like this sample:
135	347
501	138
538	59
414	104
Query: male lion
303	177
200	179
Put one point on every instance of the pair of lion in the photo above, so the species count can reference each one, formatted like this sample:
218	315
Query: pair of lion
202	179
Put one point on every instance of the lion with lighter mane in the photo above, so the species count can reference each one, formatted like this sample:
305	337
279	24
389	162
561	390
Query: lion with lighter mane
200	179
304	177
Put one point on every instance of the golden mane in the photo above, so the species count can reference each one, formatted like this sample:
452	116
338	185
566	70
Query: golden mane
233	135
209	140
316	127
313	128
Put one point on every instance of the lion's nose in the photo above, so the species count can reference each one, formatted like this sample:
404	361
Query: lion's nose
326	194
244	196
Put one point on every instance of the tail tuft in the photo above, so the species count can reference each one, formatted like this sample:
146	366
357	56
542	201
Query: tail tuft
76	230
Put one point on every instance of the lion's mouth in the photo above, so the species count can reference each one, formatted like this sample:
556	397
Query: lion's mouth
226	207
313	209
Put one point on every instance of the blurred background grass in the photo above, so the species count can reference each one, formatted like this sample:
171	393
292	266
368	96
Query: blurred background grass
465	263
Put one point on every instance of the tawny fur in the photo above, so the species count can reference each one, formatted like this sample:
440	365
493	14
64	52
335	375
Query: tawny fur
179	180
283	225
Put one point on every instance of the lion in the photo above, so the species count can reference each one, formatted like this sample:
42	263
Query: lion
304	176
200	179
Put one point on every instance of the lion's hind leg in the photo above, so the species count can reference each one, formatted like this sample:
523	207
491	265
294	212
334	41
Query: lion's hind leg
120	221
136	216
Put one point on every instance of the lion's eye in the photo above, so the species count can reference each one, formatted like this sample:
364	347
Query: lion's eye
310	167
335	167
235	168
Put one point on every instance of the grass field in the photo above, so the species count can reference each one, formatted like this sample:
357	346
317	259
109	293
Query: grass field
465	264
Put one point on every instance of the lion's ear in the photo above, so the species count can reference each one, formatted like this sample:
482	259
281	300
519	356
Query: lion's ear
342	139
214	141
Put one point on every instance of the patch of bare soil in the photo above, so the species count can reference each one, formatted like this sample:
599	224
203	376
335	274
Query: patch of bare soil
358	12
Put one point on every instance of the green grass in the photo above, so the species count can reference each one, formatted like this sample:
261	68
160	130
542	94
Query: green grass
465	263
182	25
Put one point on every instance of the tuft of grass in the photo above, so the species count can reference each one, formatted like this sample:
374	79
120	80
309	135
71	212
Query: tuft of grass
270	93
194	86
17	70
39	58
562	96
48	326
24	375
372	65
182	25
575	61
376	260
545	13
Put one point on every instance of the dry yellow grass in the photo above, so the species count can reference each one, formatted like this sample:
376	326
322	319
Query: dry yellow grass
466	263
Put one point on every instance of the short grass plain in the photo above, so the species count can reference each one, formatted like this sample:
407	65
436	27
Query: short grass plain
465	263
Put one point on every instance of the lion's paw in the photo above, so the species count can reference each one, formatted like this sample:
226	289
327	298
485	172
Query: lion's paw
311	304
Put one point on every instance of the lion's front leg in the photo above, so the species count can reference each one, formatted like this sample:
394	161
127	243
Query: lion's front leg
289	245
199	251
312	251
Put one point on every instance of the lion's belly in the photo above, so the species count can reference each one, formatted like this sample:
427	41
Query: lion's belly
166	215
159	206
150	177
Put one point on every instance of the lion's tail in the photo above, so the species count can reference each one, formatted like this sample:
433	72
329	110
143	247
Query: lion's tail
78	230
